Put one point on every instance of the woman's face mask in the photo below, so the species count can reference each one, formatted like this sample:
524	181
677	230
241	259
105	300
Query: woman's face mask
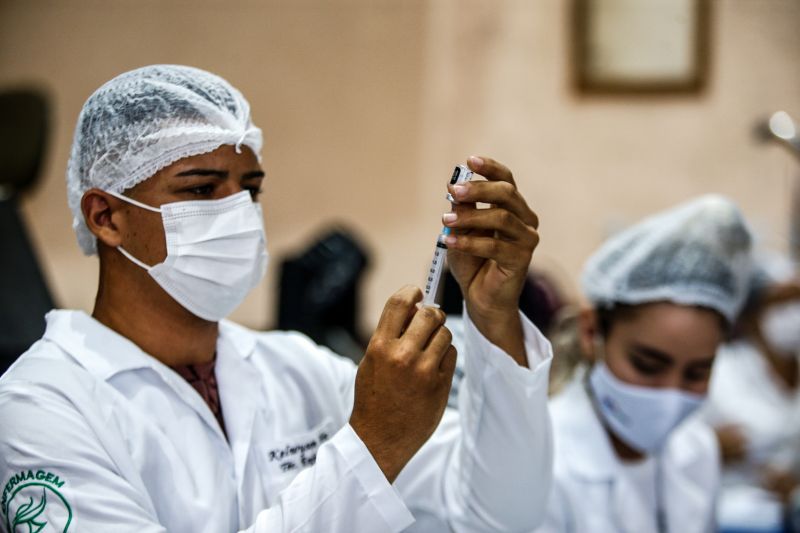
653	369
642	417
780	327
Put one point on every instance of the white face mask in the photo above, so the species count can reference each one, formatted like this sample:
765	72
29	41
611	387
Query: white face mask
780	326
643	417
216	252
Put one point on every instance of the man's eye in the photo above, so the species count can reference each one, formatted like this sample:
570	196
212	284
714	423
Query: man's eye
254	192
646	367
201	190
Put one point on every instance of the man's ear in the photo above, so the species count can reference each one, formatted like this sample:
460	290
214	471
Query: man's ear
98	207
588	332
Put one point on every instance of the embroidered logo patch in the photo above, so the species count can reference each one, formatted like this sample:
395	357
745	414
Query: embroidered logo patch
26	497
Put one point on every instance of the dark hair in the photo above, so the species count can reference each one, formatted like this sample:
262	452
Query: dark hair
608	315
566	337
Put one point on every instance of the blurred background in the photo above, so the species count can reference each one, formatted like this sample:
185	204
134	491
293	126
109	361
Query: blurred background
366	105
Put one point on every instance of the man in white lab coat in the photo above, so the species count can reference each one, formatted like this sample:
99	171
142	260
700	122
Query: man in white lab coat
155	414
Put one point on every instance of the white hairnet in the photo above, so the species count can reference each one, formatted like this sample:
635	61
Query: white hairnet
695	254
146	119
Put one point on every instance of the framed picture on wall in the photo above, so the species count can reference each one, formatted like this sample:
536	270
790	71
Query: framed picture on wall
640	46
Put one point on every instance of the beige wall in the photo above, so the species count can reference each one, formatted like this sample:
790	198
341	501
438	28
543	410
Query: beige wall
367	104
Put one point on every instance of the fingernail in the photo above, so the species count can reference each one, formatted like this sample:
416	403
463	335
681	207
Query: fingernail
449	218
476	161
450	240
459	191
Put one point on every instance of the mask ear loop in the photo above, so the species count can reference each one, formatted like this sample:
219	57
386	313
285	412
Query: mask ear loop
131	201
132	259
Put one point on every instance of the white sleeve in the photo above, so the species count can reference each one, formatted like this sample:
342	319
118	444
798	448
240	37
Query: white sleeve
344	491
54	470
488	467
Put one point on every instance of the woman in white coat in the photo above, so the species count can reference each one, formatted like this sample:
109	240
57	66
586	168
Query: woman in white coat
754	404
155	414
628	455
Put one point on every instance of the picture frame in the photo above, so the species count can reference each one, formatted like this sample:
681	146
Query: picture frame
640	46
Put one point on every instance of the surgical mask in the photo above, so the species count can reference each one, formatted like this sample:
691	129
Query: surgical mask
642	417
216	252
780	326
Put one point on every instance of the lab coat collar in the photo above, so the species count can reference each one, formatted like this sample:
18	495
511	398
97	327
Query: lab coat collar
99	349
105	353
89	342
242	339
591	455
592	458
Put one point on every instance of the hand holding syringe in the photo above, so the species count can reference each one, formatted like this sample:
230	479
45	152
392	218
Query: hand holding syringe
461	174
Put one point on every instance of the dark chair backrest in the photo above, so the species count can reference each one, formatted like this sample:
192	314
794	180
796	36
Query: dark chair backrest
319	292
23	138
24	296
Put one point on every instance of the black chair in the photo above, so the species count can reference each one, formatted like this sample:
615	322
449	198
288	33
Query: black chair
24	296
319	293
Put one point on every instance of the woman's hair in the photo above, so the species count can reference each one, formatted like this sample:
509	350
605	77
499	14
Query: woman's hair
567	352
565	337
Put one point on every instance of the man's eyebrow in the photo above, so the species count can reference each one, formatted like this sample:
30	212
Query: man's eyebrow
703	363
221	174
252	175
653	353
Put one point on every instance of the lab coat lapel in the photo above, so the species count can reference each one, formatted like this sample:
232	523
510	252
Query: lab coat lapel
686	504
240	391
594	461
190	396
592	458
627	505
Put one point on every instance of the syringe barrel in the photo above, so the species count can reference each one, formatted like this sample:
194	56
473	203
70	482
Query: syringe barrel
435	273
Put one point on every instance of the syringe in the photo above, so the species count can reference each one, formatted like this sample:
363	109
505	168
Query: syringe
435	272
461	174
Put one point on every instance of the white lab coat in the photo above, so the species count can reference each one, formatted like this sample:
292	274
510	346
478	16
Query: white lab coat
97	433
591	492
743	391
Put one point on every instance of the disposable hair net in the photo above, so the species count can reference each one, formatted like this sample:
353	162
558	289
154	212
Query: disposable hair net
695	254
146	119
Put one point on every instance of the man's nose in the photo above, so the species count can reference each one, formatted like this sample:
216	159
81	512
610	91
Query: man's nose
229	187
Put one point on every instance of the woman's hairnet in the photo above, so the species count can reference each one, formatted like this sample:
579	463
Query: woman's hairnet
146	119
697	253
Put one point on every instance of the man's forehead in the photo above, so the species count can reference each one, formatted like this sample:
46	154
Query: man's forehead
223	158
